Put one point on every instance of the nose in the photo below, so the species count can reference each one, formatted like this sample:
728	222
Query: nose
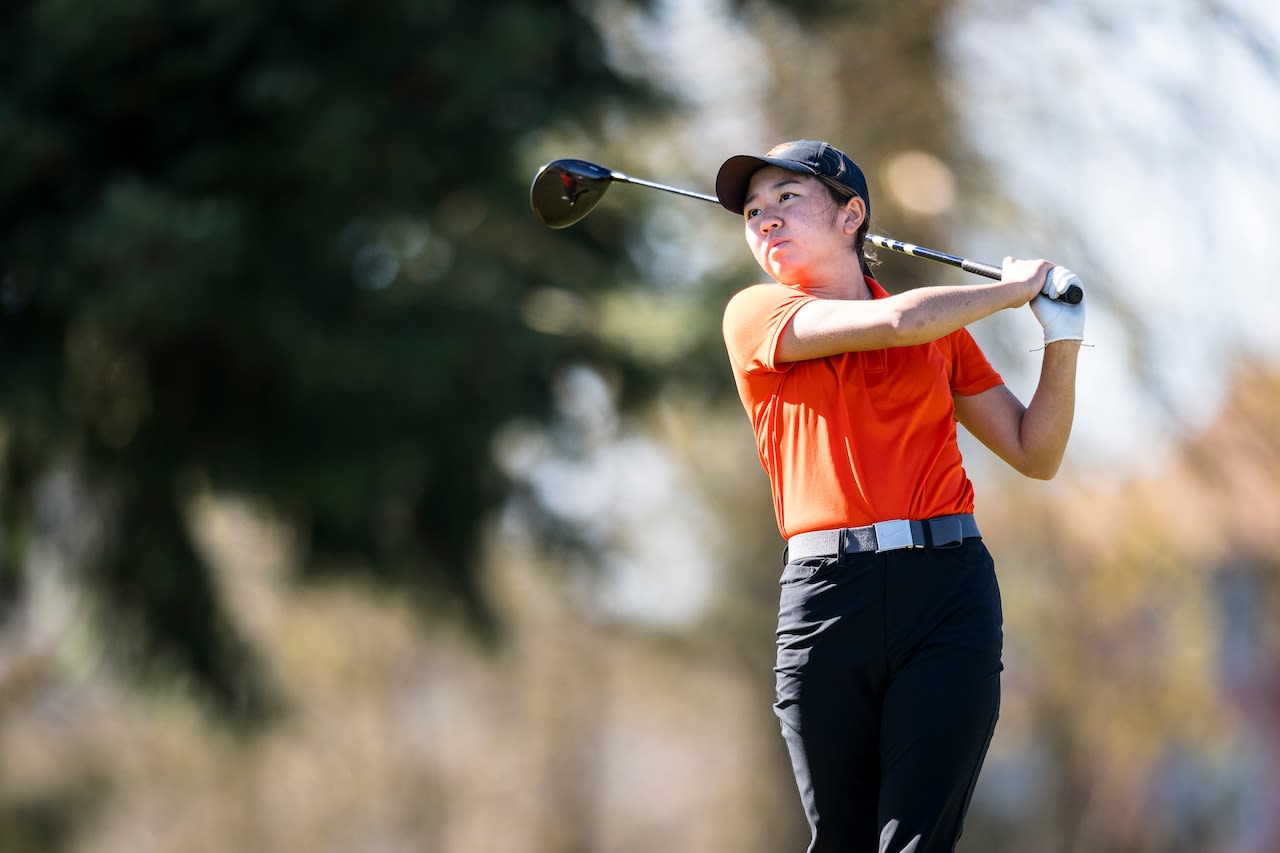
767	221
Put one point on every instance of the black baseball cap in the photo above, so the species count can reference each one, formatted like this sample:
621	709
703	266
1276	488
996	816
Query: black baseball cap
805	156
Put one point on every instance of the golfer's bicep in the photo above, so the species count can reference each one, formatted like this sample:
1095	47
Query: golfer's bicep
829	327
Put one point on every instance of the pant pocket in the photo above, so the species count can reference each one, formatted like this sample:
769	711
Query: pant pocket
803	570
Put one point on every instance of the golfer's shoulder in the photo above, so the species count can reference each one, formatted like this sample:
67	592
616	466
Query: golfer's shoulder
761	296
760	308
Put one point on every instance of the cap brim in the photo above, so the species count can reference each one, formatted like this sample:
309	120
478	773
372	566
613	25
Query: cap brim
735	176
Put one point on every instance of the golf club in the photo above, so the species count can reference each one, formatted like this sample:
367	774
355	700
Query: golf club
565	191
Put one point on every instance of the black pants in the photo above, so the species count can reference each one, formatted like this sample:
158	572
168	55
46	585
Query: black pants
888	689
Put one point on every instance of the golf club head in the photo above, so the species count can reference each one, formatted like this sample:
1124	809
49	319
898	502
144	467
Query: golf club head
565	191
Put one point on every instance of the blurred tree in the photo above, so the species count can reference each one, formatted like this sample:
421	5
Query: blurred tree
281	250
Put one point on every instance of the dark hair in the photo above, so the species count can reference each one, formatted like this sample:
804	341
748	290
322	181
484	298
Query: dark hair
841	194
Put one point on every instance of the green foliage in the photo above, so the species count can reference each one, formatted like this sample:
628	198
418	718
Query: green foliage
279	249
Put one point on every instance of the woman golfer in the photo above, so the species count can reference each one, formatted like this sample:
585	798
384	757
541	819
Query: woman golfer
889	625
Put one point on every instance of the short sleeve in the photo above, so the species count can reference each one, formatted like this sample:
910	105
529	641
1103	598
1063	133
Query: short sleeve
971	372
753	323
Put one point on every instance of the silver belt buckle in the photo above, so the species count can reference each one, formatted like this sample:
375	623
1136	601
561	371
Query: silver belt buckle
892	535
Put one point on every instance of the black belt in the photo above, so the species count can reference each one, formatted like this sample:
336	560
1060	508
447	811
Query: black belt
883	536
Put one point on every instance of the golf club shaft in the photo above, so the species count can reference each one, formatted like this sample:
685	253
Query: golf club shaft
934	255
627	179
1072	294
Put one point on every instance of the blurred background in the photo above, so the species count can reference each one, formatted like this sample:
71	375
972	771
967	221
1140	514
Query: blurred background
344	507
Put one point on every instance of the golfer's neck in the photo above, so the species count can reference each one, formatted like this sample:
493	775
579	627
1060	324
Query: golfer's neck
838	284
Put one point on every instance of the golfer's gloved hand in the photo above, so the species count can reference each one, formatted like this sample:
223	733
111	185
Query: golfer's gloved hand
1061	321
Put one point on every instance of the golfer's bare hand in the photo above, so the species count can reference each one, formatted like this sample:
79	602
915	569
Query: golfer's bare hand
1027	278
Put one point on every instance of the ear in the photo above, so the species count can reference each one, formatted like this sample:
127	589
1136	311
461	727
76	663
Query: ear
855	211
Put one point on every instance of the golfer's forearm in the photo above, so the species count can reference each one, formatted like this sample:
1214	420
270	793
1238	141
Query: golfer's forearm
1046	425
927	313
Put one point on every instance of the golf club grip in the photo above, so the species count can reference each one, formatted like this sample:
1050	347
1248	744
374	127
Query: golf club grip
981	269
1072	295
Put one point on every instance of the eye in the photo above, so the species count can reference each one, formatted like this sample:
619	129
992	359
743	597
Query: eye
753	212
786	195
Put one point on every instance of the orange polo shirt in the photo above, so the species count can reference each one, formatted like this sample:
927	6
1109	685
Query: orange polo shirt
859	437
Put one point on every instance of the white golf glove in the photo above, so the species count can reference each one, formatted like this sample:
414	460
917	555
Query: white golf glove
1061	321
1058	280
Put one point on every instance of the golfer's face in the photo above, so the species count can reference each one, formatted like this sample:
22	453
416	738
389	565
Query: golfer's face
792	225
